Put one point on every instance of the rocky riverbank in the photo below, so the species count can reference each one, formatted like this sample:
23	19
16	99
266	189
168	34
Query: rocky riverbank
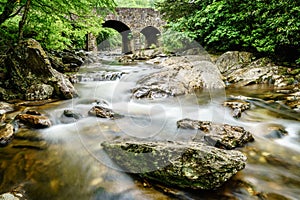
209	161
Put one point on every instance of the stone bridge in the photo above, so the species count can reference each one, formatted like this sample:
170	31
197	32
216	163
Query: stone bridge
133	24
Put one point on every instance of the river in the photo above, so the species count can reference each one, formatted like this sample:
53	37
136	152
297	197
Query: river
71	165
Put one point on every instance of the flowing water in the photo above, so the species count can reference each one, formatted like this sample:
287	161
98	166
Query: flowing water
66	160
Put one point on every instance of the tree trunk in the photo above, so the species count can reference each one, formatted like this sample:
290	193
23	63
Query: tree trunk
23	20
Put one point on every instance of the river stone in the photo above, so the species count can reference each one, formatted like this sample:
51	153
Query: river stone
238	106
219	135
29	65
185	165
179	76
69	58
39	92
8	196
34	121
6	134
5	107
103	112
69	116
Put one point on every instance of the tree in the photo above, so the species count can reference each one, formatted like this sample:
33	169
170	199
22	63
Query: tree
55	23
269	27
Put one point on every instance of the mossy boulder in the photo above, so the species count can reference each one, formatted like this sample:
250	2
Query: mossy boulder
29	67
185	165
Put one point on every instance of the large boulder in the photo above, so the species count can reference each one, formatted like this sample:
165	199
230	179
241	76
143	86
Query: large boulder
233	60
29	68
222	136
178	76
242	68
186	165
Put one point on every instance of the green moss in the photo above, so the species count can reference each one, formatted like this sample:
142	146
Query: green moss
290	80
295	71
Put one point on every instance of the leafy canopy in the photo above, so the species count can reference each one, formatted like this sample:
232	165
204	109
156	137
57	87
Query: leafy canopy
56	24
266	26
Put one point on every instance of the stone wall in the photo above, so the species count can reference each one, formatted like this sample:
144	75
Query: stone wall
138	18
138	21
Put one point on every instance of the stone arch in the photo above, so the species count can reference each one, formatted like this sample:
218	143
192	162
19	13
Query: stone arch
151	34
124	30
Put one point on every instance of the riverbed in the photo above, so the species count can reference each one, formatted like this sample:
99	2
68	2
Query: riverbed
66	162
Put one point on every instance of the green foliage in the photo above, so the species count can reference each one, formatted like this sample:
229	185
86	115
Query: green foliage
109	39
265	26
173	42
58	24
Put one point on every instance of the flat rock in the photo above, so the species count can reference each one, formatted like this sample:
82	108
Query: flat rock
219	135
185	165
34	121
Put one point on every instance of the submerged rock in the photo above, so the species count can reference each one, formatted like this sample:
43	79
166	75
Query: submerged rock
6	134
70	116
103	112
34	121
218	135
178	76
186	165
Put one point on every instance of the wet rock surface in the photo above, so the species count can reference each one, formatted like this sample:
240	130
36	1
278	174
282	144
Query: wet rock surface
192	165
178	76
218	135
237	106
6	134
5	107
34	121
70	116
103	112
99	76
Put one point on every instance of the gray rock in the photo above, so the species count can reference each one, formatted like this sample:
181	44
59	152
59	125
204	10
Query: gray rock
6	134
186	165
233	60
219	135
39	92
178	76
70	116
72	58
